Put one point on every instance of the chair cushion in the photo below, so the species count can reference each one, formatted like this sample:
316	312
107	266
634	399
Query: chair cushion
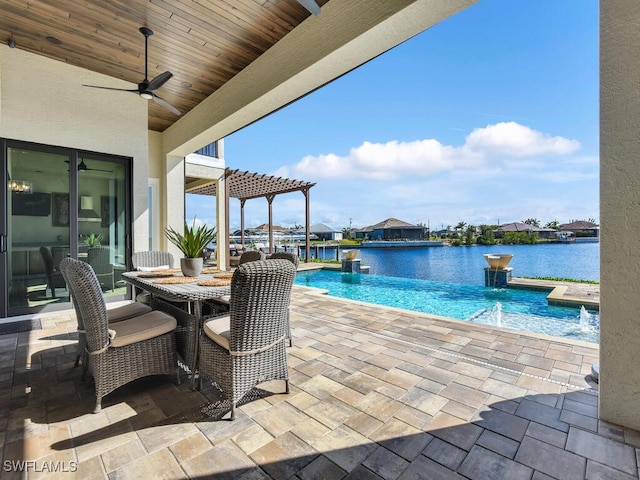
151	269
127	311
142	327
218	329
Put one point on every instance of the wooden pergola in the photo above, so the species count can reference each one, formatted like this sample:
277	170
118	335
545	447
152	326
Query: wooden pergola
245	186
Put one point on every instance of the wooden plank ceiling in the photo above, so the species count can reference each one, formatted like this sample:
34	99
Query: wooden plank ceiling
204	43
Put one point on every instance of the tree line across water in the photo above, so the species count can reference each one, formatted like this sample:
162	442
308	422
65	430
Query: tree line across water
467	234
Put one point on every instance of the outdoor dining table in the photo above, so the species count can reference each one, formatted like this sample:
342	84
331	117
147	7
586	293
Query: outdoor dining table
190	293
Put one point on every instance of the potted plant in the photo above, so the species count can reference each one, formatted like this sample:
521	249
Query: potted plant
93	239
192	244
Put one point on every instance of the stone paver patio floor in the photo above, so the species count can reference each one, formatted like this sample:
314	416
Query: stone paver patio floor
375	393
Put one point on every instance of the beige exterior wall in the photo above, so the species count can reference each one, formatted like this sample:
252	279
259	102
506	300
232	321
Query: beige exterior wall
620	212
61	112
213	170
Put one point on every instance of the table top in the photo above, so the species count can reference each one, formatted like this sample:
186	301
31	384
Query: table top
181	292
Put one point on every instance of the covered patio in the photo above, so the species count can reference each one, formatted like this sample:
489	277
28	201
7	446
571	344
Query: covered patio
376	393
372	357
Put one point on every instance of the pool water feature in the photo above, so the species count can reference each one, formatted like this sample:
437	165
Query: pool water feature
519	309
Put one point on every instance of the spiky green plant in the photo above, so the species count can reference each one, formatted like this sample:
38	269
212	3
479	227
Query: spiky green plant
194	239
93	239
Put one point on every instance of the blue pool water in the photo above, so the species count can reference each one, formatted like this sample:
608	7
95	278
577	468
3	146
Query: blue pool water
519	309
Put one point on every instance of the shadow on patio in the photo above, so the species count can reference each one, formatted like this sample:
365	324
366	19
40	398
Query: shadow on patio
376	393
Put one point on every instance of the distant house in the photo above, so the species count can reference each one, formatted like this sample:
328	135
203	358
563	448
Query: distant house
548	233
265	227
442	233
581	228
391	229
324	232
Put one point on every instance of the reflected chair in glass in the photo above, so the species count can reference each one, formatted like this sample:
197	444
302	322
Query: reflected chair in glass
119	352
100	259
247	347
54	277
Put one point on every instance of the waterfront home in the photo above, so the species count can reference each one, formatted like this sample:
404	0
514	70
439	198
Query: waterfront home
544	233
582	229
324	232
233	66
392	229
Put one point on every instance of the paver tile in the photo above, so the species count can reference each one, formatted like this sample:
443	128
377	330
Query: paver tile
444	453
345	447
498	443
551	460
602	450
401	438
159	464
424	468
282	457
386	464
482	464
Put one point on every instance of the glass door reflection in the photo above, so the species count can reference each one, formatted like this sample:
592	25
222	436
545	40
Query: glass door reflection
38	218
102	220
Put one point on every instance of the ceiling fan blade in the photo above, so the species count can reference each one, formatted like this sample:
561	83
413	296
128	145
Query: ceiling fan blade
110	88
310	5
158	81
166	104
99	170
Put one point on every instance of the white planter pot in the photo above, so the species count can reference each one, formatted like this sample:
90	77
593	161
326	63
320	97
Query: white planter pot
191	267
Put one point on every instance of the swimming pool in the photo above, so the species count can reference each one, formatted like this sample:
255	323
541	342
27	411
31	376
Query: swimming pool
511	308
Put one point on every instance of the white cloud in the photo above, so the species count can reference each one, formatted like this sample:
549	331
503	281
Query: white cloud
513	139
490	145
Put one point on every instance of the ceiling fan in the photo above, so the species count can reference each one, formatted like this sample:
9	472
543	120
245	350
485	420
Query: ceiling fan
82	167
146	89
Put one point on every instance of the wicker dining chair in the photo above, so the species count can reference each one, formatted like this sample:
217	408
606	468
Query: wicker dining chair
293	258
251	256
120	352
247	347
222	303
117	314
150	260
100	259
54	277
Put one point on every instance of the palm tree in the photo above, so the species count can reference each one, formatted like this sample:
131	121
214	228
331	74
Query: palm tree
553	224
532	221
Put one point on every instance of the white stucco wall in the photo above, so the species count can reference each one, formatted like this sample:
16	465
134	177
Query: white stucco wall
620	212
43	101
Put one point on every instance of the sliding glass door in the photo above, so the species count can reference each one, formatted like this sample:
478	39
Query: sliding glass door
60	202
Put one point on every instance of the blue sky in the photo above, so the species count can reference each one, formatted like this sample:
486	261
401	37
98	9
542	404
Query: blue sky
490	116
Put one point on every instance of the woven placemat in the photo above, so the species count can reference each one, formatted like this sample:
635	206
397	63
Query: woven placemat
215	282
223	275
174	280
156	274
208	270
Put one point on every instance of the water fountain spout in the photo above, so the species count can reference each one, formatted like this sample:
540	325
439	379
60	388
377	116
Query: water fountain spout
585	319
496	314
